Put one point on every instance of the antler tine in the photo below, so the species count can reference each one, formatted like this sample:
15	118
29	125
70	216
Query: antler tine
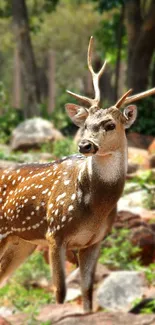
80	97
136	97
95	76
123	98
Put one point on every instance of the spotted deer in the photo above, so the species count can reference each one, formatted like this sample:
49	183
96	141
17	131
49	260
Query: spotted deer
70	203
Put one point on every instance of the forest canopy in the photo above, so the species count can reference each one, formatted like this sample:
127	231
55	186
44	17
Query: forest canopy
124	35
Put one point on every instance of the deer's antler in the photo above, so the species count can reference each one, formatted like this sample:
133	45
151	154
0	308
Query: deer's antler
95	77
127	100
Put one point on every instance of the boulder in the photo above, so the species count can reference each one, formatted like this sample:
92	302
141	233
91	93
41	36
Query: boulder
137	156
151	148
152	160
32	133
71	314
142	232
120	289
138	140
3	321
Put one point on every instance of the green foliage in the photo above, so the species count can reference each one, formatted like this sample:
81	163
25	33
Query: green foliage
149	308
144	180
19	292
64	147
59	115
103	5
146	117
118	251
10	117
107	36
34	268
150	273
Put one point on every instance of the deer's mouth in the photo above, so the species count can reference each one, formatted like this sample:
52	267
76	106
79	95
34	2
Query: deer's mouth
88	148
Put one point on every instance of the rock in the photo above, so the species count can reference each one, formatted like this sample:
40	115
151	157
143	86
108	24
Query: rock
55	313
3	321
151	148
120	289
132	167
72	294
137	140
7	164
152	160
32	133
5	311
71	314
101	273
142	233
137	156
132	200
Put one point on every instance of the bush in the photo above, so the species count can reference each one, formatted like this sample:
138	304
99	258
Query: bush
10	118
64	147
146	117
118	250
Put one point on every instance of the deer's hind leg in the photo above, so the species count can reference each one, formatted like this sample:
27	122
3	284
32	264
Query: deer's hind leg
14	253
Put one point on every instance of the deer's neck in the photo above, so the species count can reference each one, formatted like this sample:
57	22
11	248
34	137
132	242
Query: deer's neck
109	168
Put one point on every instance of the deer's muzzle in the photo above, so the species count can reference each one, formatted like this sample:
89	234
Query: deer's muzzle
87	147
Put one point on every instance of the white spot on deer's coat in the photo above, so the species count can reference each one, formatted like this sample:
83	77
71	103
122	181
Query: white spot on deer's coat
45	191
73	197
56	212
63	219
50	205
70	208
66	182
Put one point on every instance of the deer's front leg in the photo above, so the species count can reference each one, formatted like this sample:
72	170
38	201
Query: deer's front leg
87	260
57	263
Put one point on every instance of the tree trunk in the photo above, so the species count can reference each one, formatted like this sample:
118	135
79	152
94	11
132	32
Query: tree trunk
119	50
141	42
29	70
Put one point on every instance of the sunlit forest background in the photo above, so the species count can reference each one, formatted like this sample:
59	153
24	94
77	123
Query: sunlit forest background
43	52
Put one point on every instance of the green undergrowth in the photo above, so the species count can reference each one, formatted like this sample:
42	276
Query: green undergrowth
118	252
20	295
144	180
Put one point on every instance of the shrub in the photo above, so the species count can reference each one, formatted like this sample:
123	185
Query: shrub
117	251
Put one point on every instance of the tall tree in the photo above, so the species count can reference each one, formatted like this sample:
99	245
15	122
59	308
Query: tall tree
140	30
29	70
140	25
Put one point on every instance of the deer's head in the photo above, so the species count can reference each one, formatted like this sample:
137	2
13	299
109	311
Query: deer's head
103	129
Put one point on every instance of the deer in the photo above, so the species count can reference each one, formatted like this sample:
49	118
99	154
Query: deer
69	204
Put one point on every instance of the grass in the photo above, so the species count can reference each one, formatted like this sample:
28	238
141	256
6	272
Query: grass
20	295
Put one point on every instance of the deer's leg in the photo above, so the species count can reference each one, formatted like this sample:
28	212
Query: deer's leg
14	255
57	263
87	260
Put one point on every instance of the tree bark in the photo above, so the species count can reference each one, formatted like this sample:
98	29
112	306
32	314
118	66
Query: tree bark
119	50
29	69
141	42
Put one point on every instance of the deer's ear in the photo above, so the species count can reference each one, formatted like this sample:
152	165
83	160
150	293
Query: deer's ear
77	114
130	114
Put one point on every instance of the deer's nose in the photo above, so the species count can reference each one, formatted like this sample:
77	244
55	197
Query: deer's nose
86	146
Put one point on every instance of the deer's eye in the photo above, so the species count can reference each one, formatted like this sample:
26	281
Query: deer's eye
110	127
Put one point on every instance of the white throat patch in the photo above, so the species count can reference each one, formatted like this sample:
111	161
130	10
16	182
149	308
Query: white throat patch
112	167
